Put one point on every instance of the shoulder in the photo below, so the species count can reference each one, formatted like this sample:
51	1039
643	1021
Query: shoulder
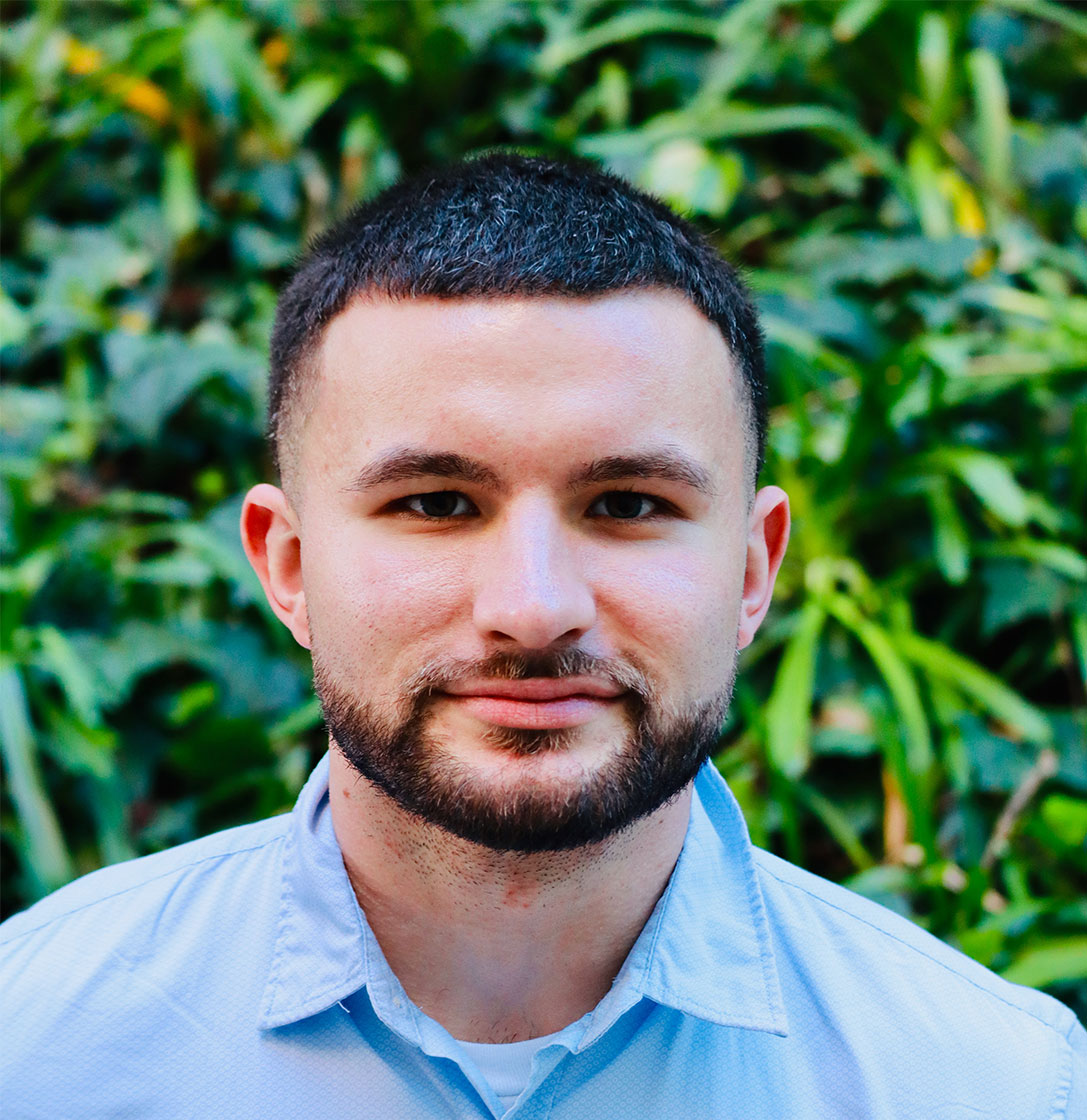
867	930
168	953
124	893
863	963
893	988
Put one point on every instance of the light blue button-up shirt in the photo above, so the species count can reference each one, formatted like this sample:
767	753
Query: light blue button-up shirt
237	977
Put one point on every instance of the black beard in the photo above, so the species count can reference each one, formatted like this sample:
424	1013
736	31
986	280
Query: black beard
661	756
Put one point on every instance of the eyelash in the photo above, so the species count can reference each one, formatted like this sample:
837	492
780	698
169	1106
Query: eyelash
661	508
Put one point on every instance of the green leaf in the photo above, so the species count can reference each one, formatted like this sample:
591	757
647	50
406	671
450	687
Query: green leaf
887	652
1057	557
180	194
876	259
982	943
14	322
47	861
633	24
1015	590
996	763
1067	817
933	207
951	543
991	480
110	809
57	656
391	64
175	570
153	375
853	17
208	63
1060	14
303	718
220	55
693	179
1079	641
79	749
985	689
1054	960
994	120
934	65
837	823
306	102
722	122
788	711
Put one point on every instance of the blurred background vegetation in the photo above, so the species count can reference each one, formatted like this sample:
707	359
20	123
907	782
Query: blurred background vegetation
905	186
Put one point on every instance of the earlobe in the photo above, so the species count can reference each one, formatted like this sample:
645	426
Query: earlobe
768	535
272	540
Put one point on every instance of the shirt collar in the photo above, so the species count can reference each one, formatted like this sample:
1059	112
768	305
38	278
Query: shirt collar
318	957
707	948
706	953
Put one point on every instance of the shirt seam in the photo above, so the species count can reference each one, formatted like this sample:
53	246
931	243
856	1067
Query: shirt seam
920	952
286	890
761	923
140	885
650	956
1064	1082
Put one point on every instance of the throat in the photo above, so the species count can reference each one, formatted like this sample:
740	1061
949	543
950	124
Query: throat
501	946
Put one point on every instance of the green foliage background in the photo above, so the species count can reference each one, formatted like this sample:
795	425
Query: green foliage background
904	185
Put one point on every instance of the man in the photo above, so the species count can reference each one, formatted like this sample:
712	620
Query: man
518	411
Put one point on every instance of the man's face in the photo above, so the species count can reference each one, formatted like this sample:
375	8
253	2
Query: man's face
522	529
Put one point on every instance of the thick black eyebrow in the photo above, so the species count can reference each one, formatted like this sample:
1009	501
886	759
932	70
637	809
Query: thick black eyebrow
671	466
406	463
409	462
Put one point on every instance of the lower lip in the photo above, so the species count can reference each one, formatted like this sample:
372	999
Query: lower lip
534	715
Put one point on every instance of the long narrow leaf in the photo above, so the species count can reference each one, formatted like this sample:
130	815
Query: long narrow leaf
911	765
985	689
837	824
633	24
951	544
897	675
994	120
1061	14
788	711
47	860
1052	962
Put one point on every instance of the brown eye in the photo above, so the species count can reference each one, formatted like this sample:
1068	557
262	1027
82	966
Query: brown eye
439	503
624	505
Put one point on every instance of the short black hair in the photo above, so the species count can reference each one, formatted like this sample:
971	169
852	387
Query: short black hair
510	225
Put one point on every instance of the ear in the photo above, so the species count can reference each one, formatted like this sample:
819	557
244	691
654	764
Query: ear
767	536
272	539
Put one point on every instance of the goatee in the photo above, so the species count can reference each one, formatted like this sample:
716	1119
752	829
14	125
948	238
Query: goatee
661	753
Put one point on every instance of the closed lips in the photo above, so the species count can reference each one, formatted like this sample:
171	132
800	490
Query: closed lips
538	689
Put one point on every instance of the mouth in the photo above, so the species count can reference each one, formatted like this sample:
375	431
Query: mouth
537	703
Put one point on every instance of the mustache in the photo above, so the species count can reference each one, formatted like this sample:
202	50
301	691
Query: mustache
437	675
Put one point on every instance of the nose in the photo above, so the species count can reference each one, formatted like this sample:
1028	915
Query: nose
530	589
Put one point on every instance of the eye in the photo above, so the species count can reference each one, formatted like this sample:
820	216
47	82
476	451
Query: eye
626	505
439	504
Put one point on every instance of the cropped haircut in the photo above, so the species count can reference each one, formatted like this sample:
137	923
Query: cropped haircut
507	225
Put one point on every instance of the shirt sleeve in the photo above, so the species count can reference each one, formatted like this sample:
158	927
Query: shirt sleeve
1076	1104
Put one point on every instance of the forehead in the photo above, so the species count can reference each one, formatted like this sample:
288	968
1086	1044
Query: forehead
526	381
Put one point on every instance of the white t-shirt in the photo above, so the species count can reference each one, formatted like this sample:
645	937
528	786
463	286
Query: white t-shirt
507	1065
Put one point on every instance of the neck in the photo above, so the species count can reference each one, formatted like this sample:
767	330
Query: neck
499	946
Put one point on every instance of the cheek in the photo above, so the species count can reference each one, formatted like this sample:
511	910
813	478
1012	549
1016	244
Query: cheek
678	613
369	599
